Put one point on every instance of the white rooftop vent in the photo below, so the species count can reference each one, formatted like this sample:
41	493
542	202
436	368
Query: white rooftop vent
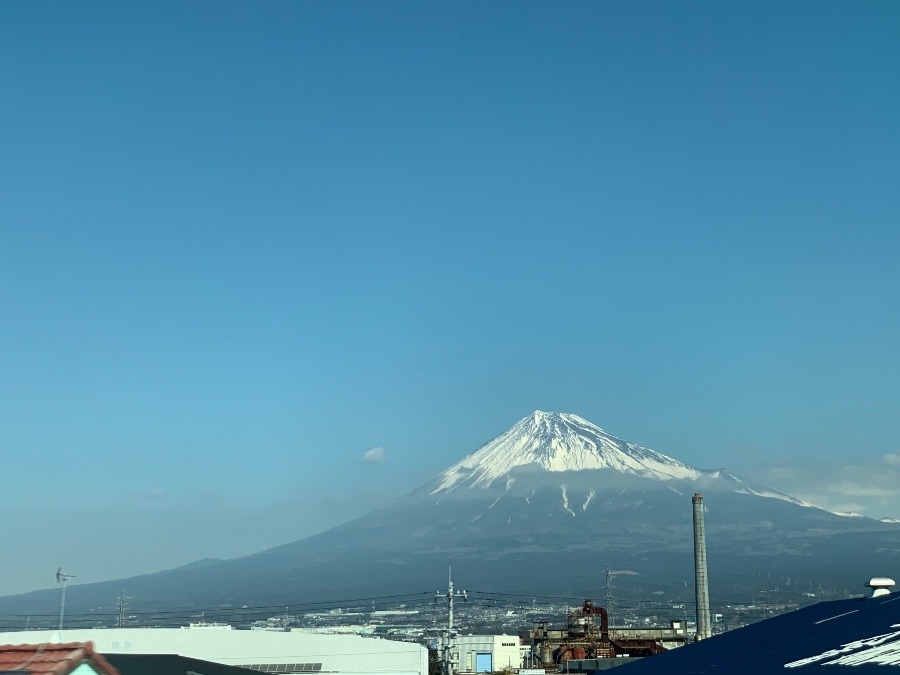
880	586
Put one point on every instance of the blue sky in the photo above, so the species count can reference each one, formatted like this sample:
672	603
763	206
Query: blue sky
244	244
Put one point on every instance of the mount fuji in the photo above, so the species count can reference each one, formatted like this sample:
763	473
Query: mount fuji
541	509
562	443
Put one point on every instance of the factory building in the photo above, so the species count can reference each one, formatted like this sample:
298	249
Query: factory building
668	637
487	653
285	653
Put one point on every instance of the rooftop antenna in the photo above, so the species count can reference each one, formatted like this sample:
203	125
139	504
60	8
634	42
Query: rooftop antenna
62	579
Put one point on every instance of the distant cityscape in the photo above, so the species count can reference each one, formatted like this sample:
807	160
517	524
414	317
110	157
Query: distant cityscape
413	616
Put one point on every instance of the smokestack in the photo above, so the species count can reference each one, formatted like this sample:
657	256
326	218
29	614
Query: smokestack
701	578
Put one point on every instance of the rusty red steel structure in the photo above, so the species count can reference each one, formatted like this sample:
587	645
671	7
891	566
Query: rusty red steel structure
582	638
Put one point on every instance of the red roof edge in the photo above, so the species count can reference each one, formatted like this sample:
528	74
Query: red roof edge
98	660
72	654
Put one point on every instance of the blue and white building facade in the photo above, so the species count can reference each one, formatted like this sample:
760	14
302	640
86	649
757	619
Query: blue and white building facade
487	653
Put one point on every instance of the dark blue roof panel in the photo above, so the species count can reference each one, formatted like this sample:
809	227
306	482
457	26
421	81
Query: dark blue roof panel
862	634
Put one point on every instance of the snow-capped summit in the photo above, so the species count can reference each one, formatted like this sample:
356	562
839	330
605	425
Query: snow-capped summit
560	442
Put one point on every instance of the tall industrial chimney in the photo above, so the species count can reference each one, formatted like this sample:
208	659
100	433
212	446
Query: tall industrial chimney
701	578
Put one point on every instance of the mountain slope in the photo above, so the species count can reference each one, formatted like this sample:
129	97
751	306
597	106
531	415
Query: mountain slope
539	509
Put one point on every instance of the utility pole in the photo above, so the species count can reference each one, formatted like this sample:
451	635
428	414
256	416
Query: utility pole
121	622
447	657
62	579
609	589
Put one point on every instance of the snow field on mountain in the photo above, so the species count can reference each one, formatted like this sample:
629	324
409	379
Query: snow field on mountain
560	442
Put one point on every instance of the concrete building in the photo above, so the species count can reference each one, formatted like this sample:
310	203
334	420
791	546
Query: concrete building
263	651
487	653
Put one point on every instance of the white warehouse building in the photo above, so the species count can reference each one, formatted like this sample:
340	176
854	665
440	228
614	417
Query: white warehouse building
263	651
487	653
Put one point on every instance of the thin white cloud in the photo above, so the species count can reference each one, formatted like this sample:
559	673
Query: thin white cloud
866	489
849	488
848	507
374	455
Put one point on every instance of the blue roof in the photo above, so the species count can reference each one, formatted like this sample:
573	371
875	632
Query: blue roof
862	634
